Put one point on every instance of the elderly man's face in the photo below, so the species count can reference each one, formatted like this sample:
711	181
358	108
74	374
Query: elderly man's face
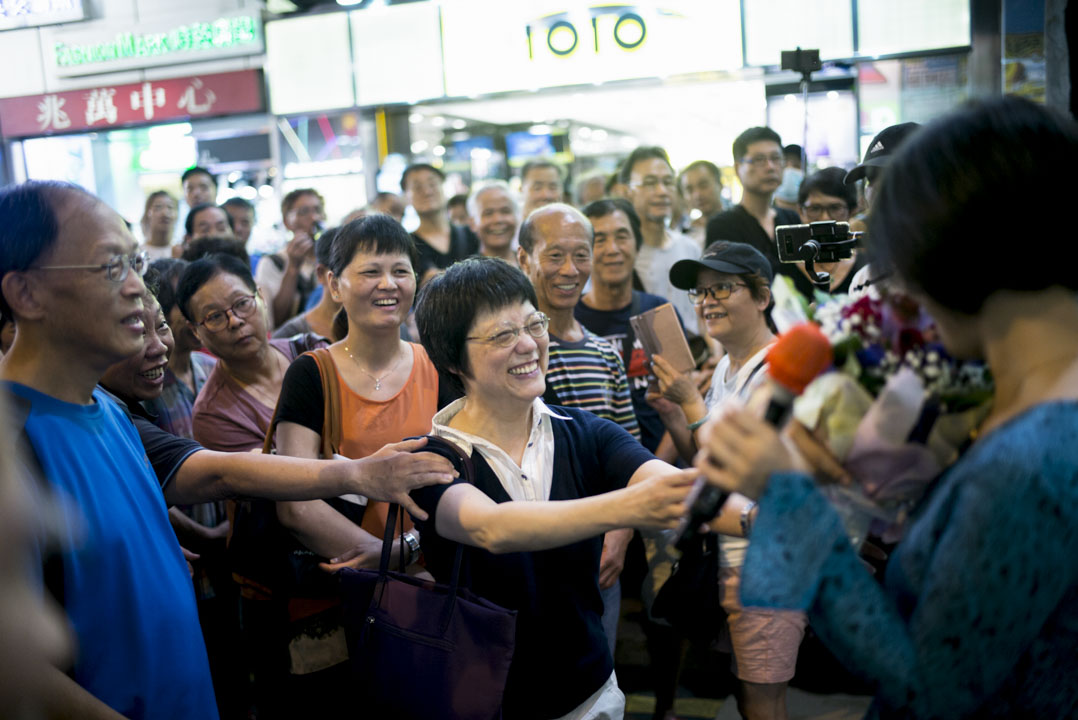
97	319
560	261
496	219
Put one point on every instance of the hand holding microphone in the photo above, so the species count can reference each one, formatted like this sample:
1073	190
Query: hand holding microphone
742	450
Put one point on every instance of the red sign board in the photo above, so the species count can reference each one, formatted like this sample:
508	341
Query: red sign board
144	103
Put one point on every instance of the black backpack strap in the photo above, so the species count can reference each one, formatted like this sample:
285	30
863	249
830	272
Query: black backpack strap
28	466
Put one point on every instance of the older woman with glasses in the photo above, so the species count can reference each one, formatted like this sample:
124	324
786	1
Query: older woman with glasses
479	323
825	196
219	297
730	285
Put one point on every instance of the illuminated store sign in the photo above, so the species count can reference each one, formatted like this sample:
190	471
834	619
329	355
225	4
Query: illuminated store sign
31	13
101	108
521	46
86	52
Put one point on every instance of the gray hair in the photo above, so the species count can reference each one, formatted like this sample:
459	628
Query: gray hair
473	198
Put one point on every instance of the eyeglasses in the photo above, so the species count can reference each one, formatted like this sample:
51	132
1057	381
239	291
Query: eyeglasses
536	327
719	291
759	160
651	182
115	269
305	210
243	308
836	211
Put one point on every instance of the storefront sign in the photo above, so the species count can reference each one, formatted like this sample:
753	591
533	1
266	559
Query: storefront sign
32	13
86	52
143	103
491	46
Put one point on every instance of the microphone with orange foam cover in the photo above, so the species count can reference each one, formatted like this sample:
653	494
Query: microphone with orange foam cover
796	358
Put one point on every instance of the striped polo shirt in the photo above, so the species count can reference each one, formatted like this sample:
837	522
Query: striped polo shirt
588	374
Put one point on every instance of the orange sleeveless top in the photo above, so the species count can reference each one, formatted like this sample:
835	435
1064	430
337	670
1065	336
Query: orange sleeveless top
367	425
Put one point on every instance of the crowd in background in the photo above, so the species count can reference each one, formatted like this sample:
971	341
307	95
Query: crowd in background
139	390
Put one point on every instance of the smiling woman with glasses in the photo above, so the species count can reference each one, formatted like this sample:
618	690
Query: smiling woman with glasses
478	321
730	286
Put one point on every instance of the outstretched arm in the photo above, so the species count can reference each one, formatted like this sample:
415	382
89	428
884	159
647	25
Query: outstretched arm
973	584
655	498
389	475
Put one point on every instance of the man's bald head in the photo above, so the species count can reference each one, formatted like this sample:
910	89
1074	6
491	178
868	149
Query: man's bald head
529	230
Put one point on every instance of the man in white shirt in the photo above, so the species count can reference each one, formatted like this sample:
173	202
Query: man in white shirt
652	183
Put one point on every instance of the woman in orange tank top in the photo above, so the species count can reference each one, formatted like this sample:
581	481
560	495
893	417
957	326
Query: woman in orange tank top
388	387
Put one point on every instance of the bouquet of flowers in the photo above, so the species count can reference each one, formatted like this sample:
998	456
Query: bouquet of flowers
896	411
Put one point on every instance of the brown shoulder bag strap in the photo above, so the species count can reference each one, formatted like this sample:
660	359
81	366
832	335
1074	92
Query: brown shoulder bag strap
331	402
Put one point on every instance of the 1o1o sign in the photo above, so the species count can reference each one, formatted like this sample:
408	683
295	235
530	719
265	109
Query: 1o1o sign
562	37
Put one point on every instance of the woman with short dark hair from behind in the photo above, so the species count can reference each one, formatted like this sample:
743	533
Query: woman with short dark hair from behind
976	616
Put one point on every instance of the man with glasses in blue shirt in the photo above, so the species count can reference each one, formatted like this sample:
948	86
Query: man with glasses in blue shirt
71	276
758	161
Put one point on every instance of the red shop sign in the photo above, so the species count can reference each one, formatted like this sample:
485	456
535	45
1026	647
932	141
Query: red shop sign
135	104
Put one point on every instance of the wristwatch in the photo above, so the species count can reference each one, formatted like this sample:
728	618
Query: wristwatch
412	542
746	521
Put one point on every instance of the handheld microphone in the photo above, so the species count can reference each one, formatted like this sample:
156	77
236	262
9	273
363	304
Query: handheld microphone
796	358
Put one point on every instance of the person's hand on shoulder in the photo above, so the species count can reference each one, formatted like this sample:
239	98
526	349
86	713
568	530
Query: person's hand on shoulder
394	471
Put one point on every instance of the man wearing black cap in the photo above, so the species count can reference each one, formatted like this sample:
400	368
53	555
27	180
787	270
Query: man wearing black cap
877	157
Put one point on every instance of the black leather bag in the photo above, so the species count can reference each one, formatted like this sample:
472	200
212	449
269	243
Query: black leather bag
689	599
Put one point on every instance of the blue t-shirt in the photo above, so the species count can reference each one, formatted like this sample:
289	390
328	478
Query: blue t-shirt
613	326
126	587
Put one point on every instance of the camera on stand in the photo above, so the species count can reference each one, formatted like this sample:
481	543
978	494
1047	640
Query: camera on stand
819	242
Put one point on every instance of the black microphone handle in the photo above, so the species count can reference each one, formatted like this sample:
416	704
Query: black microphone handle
711	498
706	506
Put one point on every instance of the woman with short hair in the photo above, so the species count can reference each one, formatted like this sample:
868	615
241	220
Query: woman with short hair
480	324
978	612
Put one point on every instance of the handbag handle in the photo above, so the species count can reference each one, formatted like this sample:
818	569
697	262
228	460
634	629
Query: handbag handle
467	470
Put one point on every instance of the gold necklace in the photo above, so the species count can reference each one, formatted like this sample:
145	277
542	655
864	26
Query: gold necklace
377	380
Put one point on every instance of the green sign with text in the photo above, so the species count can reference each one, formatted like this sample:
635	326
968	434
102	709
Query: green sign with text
192	41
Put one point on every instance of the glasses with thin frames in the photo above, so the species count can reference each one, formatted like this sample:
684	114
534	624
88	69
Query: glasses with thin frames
536	327
835	211
116	268
761	160
718	291
243	308
651	182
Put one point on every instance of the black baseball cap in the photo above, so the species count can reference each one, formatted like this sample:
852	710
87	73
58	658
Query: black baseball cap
732	258
880	150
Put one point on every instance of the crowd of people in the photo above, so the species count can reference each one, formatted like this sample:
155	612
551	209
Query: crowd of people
195	440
